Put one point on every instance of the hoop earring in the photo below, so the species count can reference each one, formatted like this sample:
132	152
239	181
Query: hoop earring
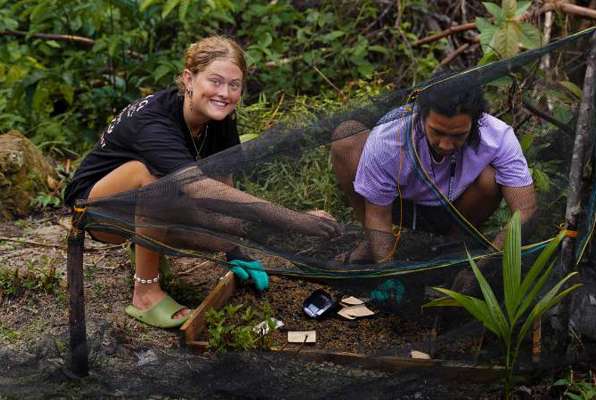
189	94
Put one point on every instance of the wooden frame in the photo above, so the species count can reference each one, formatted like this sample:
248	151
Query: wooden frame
196	323
447	370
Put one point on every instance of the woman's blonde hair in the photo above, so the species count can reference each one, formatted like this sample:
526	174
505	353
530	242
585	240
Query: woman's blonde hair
200	54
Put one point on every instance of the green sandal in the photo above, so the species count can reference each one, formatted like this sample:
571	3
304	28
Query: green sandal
160	315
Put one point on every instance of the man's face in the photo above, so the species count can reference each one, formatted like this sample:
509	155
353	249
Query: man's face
446	135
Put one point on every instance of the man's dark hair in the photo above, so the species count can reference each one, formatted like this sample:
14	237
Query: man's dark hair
447	99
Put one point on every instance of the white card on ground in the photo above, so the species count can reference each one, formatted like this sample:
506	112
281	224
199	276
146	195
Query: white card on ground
302	336
352	301
345	314
262	328
420	355
358	311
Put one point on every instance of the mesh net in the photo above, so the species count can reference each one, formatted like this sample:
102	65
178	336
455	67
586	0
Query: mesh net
190	211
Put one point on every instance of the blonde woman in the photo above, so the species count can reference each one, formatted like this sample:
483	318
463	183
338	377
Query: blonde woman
162	133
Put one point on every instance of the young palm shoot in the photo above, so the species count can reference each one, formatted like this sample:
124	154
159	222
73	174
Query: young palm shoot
521	296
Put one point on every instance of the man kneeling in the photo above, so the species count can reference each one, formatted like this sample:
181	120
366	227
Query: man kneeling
473	158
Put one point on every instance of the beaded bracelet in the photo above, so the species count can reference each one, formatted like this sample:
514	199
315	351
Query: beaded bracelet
146	281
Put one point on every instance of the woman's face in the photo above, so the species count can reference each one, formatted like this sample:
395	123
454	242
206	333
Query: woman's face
216	90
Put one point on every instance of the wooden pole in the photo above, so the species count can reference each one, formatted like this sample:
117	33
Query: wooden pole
74	264
581	148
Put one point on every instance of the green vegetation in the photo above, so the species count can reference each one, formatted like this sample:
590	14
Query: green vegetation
61	91
33	279
523	303
578	387
233	328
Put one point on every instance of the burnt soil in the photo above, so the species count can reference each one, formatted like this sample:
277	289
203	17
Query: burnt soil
131	360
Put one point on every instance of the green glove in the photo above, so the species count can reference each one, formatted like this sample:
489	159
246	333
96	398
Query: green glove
391	290
254	269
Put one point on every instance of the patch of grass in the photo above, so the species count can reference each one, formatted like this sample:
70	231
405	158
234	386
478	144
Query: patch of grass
577	386
39	277
8	335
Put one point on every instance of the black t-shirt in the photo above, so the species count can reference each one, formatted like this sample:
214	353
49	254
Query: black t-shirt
151	130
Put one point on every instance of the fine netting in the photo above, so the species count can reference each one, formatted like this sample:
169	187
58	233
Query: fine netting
191	210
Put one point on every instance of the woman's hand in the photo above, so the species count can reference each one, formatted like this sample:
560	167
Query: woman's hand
321	214
319	223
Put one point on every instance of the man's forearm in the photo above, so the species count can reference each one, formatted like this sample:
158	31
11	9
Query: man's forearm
522	199
378	225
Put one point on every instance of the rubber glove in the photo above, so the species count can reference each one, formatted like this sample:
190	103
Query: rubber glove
391	290
244	269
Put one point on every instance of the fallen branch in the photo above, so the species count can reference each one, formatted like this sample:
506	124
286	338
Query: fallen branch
547	117
51	36
451	56
54	246
64	38
192	269
568	8
454	29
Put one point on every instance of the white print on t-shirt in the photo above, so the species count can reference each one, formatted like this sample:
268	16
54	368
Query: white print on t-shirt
128	112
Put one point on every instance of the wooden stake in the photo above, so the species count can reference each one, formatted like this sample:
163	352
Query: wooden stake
536	340
78	332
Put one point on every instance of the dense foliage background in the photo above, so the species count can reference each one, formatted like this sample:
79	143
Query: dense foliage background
304	55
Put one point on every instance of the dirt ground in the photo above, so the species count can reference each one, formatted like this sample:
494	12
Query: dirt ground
131	360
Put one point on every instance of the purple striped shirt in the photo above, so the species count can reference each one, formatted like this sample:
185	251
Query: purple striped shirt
381	176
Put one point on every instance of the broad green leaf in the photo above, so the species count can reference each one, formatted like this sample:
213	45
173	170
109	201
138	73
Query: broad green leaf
487	31
145	4
266	40
496	314
495	10
573	88
366	70
509	8
40	98
529	298
474	306
183	9
248	136
68	93
549	300
53	43
530	36
541	180
540	263
442	302
160	72
168	7
503	82
330	37
512	265
522	7
379	49
506	40
526	141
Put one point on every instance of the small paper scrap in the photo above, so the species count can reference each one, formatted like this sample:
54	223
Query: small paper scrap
262	328
355	312
302	336
420	355
352	301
